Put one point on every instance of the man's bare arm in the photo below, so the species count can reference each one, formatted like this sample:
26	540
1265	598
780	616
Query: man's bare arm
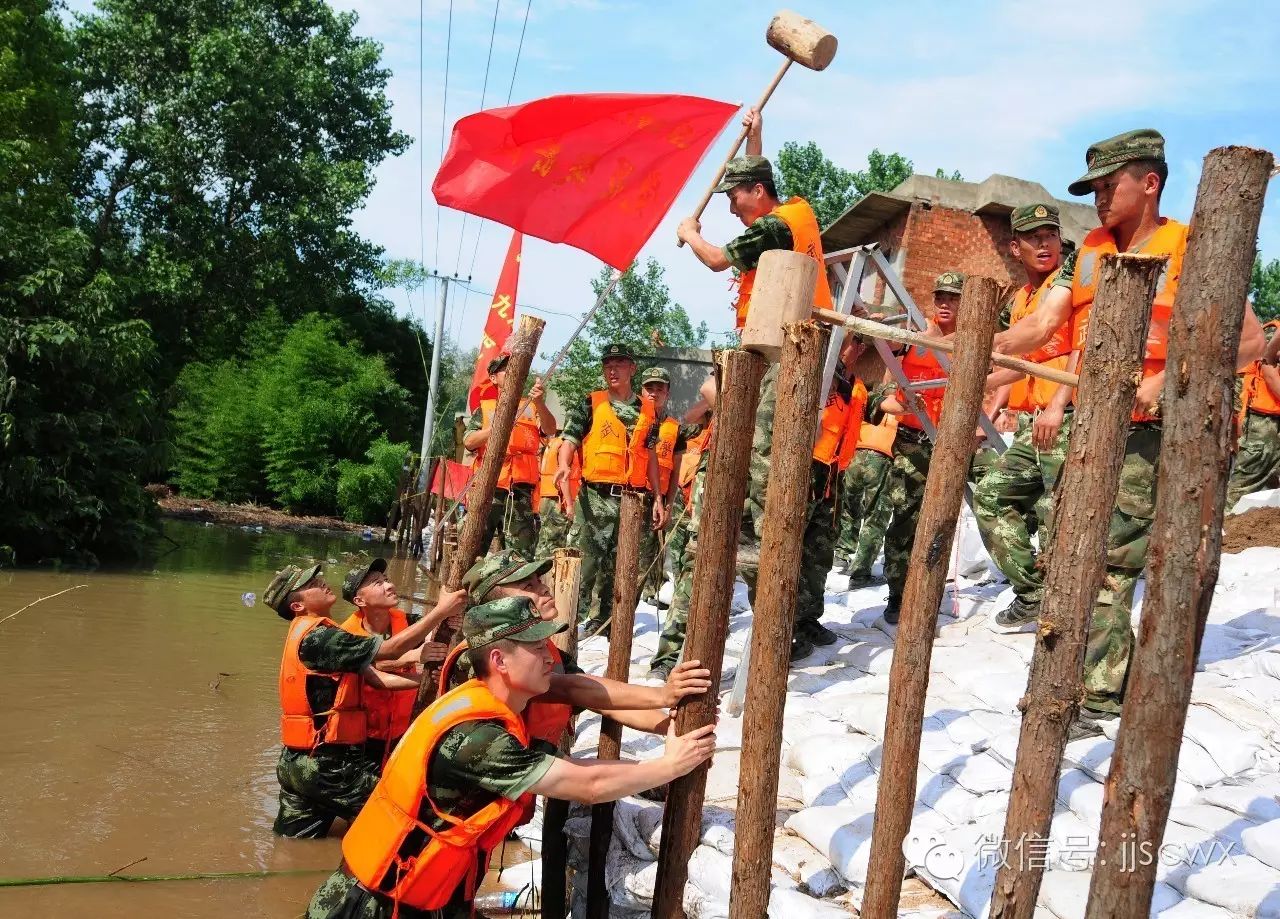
1030	332
382	680
582	690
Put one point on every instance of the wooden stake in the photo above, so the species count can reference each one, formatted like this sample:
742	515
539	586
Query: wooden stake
524	345
713	576
567	574
1077	562
1186	539
781	544
926	580
626	593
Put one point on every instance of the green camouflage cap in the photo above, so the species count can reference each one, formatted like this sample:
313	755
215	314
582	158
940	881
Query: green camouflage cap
1032	216
745	169
355	577
503	567
286	581
498	363
1106	156
655	375
949	282
513	618
617	349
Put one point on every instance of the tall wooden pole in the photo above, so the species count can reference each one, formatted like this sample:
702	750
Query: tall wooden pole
713	577
781	545
1186	540
1077	563
524	345
926	580
626	592
567	576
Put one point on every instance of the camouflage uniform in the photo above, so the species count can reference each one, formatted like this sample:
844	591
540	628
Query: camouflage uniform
1257	462
595	519
475	764
553	530
865	510
1016	491
334	780
912	452
511	514
676	623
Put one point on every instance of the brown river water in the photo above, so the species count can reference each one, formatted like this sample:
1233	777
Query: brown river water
141	722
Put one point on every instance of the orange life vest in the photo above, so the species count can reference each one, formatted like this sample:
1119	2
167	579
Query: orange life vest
345	723
1258	396
1169	239
609	457
521	465
426	874
388	711
547	478
668	431
879	437
920	364
1032	393
544	720
806	237
690	461
838	435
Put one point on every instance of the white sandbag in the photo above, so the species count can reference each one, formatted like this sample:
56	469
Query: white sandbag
1080	792
981	773
1241	884
1231	746
792	904
963	867
1263	842
1215	821
1188	908
968	554
806	865
706	895
944	795
1268	497
1258	800
839	832
1066	893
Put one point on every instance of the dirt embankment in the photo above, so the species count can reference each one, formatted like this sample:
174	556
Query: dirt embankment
241	515
1258	527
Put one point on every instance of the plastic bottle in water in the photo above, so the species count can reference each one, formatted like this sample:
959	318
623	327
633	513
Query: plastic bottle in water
248	598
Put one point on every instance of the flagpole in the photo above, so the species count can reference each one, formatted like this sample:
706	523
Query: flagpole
604	294
429	423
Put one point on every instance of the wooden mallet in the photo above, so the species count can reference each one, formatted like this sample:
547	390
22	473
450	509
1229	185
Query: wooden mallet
801	41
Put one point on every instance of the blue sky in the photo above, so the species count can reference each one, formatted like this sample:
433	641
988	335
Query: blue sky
983	87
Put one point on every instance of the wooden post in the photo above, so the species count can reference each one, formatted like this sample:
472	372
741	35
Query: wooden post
781	544
1077	561
713	577
524	344
567	574
926	580
626	592
1186	539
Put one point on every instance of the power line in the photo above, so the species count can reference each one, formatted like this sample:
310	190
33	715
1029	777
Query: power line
422	156
484	91
444	108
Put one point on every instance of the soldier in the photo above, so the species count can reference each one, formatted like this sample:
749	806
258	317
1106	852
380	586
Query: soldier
1018	489
1257	464
387	712
324	770
1126	175
771	224
602	427
864	502
555	518
511	514
466	774
665	444
912	448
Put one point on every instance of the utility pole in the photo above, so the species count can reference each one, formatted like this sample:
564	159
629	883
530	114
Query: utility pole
429	423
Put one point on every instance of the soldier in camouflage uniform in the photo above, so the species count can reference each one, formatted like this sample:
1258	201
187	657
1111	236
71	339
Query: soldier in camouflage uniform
481	762
553	522
604	447
1013	501
865	509
1257	464
1126	174
655	384
511	513
327	780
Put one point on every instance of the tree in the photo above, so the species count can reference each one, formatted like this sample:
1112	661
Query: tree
640	313
75	411
229	143
1265	289
805	171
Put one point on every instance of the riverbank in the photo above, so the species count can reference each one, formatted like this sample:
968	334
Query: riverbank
252	515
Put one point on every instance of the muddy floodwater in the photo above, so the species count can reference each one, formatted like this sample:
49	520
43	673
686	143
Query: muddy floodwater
141	723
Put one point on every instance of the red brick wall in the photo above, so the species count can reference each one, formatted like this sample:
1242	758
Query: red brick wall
942	239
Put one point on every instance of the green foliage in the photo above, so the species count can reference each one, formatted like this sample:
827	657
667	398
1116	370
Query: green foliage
366	490
955	175
456	368
75	411
803	170
1265	289
639	312
883	173
276	426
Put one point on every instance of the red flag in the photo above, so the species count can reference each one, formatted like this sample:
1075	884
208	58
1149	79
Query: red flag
595	171
451	480
497	328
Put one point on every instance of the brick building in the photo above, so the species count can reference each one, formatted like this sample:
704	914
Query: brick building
928	225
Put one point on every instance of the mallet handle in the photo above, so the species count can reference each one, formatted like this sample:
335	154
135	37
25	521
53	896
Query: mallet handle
733	151
907	337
